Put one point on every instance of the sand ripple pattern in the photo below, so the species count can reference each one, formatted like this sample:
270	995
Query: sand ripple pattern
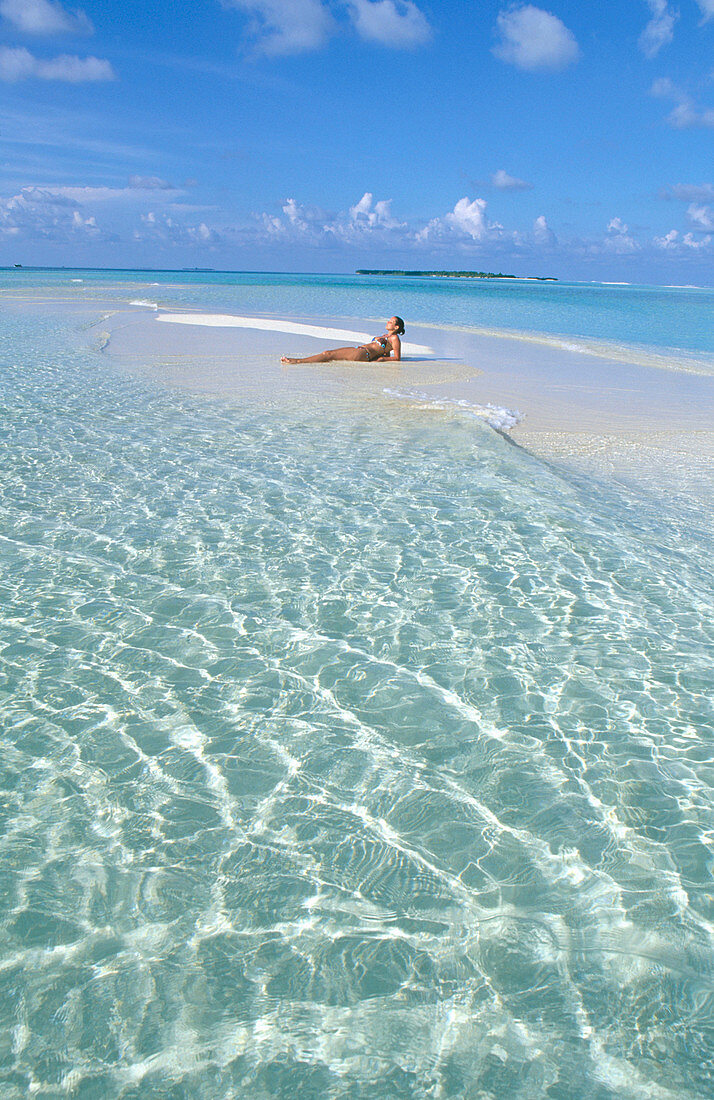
342	757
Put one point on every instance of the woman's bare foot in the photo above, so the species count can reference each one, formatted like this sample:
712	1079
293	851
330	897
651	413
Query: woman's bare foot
285	359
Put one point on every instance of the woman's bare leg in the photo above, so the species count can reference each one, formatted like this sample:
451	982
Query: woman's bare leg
350	355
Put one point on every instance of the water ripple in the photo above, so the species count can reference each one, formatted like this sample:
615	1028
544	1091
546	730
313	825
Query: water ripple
344	756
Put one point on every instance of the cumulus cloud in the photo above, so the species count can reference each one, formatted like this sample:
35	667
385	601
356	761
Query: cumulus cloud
618	239
65	213
685	115
283	27
38	213
503	182
165	229
19	64
542	233
700	217
372	220
533	39
294	213
367	218
44	17
660	29
370	213
465	231
368	222
301	223
467	220
396	23
669	241
672	242
691	242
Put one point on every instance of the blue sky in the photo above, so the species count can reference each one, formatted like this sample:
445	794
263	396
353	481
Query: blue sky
324	135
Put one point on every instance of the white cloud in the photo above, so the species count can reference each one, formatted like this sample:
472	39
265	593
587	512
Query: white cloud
692	242
467	220
707	9
671	242
660	29
294	214
542	233
282	27
67	213
36	213
20	64
366	212
396	23
685	115
78	222
700	217
532	39
286	26
465	231
371	223
504	182
366	219
618	238
44	17
166	230
303	223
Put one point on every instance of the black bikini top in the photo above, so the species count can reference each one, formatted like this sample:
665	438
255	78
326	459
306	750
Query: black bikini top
380	340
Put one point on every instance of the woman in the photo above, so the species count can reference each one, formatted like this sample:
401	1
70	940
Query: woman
378	350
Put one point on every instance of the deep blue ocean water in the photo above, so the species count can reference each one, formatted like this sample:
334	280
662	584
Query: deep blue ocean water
345	753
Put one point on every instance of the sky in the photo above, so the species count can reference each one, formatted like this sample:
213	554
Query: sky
569	140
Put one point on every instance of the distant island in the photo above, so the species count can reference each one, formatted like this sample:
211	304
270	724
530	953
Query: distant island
459	274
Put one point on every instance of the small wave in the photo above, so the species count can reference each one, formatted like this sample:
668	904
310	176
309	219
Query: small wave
498	417
142	302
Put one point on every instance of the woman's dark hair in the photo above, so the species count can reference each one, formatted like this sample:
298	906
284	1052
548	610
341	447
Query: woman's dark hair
400	330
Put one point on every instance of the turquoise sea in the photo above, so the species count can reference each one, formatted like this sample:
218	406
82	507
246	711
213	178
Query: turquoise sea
349	750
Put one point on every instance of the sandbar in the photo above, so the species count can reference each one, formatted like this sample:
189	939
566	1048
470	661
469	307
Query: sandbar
264	324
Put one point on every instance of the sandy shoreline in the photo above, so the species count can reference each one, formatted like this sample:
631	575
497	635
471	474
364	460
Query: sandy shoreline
554	385
576	405
575	401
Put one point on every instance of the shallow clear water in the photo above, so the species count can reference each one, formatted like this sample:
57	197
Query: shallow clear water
343	755
679	318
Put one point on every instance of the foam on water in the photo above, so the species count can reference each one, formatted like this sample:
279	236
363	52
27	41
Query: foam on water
499	418
346	752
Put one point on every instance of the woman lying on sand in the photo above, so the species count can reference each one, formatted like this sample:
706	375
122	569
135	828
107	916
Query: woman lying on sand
378	350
